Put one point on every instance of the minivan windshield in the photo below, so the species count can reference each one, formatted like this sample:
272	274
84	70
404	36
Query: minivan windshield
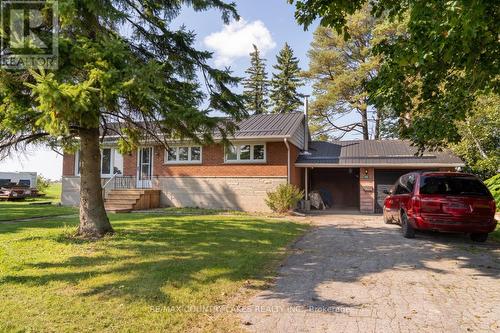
449	185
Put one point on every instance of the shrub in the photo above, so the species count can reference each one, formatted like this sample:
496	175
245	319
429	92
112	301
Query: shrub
42	183
494	186
284	198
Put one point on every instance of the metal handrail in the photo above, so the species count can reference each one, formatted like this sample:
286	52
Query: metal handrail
110	179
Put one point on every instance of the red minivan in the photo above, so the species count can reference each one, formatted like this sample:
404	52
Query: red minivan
441	201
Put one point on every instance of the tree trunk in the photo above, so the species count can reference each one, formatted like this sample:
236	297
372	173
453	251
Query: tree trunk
364	121
377	125
94	222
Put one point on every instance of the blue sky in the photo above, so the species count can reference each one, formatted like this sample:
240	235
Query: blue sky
268	23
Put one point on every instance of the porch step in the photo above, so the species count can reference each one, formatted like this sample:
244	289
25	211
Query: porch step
117	210
126	200
121	201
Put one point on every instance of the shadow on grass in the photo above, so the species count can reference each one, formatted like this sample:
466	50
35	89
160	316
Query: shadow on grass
151	257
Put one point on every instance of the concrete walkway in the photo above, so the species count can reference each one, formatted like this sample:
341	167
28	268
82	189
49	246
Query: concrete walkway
355	274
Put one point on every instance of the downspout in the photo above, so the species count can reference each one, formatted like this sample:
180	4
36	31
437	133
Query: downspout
306	125
288	161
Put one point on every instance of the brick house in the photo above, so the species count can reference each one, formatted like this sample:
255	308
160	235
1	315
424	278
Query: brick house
266	150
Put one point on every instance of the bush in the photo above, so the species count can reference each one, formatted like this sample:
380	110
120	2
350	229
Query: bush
494	186
284	198
42	183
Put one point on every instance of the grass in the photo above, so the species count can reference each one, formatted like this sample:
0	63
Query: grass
11	210
50	281
495	235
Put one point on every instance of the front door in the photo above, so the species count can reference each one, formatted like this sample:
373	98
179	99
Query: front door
145	167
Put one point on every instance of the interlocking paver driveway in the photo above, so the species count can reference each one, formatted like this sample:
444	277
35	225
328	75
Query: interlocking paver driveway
353	273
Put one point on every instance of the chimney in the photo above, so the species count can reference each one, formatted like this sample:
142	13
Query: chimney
306	126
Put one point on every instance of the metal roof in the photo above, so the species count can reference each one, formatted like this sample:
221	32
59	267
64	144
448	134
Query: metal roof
269	125
374	153
256	127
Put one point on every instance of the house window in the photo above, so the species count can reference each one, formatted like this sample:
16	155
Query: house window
111	162
106	161
246	153
183	154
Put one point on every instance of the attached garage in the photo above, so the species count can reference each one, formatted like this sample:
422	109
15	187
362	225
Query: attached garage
342	184
384	180
356	173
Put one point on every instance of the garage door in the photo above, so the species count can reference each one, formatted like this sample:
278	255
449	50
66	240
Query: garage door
384	180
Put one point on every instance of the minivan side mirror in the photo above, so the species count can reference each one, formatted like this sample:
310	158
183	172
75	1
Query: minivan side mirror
388	192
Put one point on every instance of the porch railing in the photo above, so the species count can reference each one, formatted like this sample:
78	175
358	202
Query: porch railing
117	182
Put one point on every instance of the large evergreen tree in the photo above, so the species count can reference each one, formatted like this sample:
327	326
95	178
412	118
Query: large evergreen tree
340	70
256	84
285	82
123	70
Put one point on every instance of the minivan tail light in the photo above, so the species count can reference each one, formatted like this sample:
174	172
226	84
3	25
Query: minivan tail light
416	204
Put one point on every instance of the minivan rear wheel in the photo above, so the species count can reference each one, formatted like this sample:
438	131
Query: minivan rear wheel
406	227
479	237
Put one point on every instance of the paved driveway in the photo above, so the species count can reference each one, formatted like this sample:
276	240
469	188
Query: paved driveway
355	274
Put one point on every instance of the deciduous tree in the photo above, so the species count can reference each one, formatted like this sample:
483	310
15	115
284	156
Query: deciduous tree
120	63
479	146
431	75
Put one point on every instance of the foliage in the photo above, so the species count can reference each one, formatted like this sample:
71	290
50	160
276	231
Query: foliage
285	82
256	85
480	137
42	183
340	71
121	63
494	186
284	198
152	264
431	75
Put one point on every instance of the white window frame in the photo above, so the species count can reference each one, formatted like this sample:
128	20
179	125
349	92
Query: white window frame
177	161
103	175
238	145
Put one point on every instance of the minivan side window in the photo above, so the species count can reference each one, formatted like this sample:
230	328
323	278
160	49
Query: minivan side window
401	186
410	183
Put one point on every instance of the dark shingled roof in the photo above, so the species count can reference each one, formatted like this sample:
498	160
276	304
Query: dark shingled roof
374	153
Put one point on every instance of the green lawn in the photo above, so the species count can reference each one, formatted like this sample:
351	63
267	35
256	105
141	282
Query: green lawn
10	210
50	281
496	234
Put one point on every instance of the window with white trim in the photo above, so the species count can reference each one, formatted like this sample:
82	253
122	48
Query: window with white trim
245	153
183	155
111	162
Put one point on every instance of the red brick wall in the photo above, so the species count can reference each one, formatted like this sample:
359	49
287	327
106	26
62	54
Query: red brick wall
367	196
130	164
213	163
68	164
296	174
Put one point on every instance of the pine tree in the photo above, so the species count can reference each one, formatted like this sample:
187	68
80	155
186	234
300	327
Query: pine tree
285	82
256	84
138	80
341	70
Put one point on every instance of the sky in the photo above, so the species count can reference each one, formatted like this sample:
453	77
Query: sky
268	24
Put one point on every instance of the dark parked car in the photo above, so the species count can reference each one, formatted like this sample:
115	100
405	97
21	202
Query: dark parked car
441	201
